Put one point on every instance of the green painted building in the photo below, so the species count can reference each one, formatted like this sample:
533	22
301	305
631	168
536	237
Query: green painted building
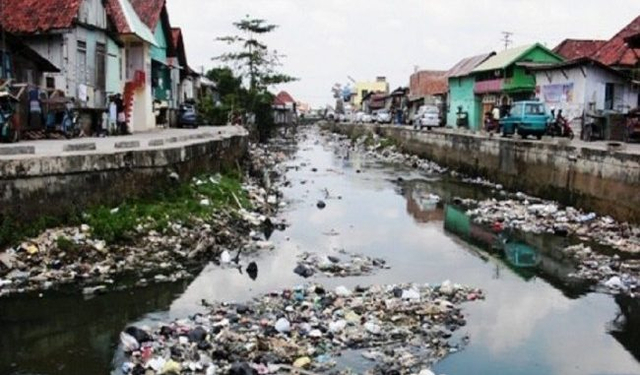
461	84
505	78
160	71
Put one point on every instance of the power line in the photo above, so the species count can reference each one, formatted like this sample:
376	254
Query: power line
507	38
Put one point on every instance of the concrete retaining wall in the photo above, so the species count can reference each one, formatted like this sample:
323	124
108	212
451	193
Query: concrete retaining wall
589	178
33	187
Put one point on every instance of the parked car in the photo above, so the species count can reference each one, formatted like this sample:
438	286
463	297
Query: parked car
358	117
187	116
525	118
367	118
428	116
383	117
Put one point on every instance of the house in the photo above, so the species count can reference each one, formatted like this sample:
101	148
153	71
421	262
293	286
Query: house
284	109
74	35
373	101
616	53
397	103
505	78
25	68
460	84
185	76
380	85
572	49
584	85
21	63
427	87
132	60
164	67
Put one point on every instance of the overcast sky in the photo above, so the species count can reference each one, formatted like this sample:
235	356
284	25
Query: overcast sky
327	40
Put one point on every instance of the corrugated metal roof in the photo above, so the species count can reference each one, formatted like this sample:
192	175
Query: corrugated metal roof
466	65
572	49
33	16
505	58
616	51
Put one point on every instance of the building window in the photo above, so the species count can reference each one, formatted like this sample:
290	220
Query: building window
509	72
5	60
608	96
51	83
101	62
82	62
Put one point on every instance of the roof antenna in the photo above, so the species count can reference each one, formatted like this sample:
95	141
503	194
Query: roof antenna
507	38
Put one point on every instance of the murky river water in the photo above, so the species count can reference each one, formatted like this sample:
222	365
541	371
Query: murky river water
533	321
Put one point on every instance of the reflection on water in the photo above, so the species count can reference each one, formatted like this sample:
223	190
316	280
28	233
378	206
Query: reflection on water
535	320
67	334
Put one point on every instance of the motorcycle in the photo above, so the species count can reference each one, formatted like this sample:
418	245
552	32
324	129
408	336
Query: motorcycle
62	118
9	125
490	123
559	126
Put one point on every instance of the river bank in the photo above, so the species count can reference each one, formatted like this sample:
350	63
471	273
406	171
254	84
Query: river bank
612	266
577	174
373	211
163	238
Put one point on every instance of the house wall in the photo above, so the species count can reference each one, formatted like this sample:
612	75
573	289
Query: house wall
376	86
461	95
52	48
586	91
62	50
139	58
93	13
115	68
187	89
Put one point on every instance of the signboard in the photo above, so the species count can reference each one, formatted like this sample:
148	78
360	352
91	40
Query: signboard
559	93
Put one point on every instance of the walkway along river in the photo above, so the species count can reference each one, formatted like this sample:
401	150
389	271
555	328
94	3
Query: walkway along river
534	320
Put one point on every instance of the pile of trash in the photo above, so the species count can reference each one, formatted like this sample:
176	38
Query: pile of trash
73	256
381	149
310	264
535	215
610	273
406	327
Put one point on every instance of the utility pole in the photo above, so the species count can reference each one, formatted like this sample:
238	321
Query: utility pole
506	38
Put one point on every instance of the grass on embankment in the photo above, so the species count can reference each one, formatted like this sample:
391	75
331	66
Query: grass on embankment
184	204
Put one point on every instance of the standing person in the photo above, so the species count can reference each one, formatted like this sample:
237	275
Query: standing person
35	109
113	116
122	119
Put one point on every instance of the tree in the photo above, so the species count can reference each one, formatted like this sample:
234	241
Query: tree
258	65
255	59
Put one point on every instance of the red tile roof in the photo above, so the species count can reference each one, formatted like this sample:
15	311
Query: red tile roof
283	98
616	52
572	49
428	82
32	16
176	35
149	11
117	16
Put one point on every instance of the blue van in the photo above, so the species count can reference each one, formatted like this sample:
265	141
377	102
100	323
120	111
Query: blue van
526	118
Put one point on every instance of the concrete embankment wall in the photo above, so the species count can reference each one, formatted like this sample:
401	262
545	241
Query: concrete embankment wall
34	187
586	177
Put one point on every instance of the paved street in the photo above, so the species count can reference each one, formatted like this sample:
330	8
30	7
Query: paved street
631	148
160	138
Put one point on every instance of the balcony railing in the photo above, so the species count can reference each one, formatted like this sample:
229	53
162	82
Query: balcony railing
494	85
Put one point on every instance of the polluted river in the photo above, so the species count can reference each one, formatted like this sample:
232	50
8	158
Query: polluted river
525	312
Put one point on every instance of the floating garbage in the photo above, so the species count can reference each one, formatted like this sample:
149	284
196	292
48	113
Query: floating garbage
304	328
340	265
